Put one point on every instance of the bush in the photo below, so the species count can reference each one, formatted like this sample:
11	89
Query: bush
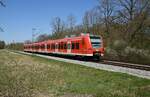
118	46
110	54
134	55
119	51
2	44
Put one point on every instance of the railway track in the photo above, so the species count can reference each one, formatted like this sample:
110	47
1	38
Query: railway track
128	65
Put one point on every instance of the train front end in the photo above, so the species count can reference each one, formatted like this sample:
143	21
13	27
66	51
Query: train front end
97	46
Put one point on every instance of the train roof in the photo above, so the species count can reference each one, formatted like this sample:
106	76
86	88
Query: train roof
63	39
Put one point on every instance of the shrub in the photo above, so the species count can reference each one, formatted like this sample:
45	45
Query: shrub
134	55
119	46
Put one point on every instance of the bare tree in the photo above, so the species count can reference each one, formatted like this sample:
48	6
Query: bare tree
28	42
133	13
86	22
129	7
106	8
71	22
90	19
57	27
42	37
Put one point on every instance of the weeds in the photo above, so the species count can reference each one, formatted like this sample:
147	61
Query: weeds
31	76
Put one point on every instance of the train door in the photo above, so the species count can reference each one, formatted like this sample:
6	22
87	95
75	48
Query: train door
39	47
68	47
45	47
56	47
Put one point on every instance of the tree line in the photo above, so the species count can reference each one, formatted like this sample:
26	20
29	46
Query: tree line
2	44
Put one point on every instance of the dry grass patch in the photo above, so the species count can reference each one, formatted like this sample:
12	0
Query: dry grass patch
31	76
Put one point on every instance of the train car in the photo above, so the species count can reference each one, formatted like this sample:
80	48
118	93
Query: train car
85	45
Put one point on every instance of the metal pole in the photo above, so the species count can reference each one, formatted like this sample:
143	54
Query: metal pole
33	30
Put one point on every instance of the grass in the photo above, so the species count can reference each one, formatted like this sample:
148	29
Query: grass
26	76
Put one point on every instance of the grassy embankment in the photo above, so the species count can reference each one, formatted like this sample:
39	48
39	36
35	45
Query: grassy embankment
26	76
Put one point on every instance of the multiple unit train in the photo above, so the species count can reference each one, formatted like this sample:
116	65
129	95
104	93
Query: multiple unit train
85	45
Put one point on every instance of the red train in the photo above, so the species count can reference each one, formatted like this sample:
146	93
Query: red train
85	45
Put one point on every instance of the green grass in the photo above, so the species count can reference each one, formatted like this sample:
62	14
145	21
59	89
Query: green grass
31	75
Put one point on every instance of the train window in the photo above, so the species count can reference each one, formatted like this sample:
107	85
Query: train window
42	46
56	46
65	46
48	46
73	46
95	41
38	47
59	46
69	46
77	45
53	46
62	46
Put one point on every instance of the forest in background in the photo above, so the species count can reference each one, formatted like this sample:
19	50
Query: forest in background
123	24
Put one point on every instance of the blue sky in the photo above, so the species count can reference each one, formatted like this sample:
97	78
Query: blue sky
20	16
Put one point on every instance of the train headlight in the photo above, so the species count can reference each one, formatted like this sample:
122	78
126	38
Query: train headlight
97	49
102	54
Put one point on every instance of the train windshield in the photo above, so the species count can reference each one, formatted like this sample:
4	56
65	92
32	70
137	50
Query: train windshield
95	41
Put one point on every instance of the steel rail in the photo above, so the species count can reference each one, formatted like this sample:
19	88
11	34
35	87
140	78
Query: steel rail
129	65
